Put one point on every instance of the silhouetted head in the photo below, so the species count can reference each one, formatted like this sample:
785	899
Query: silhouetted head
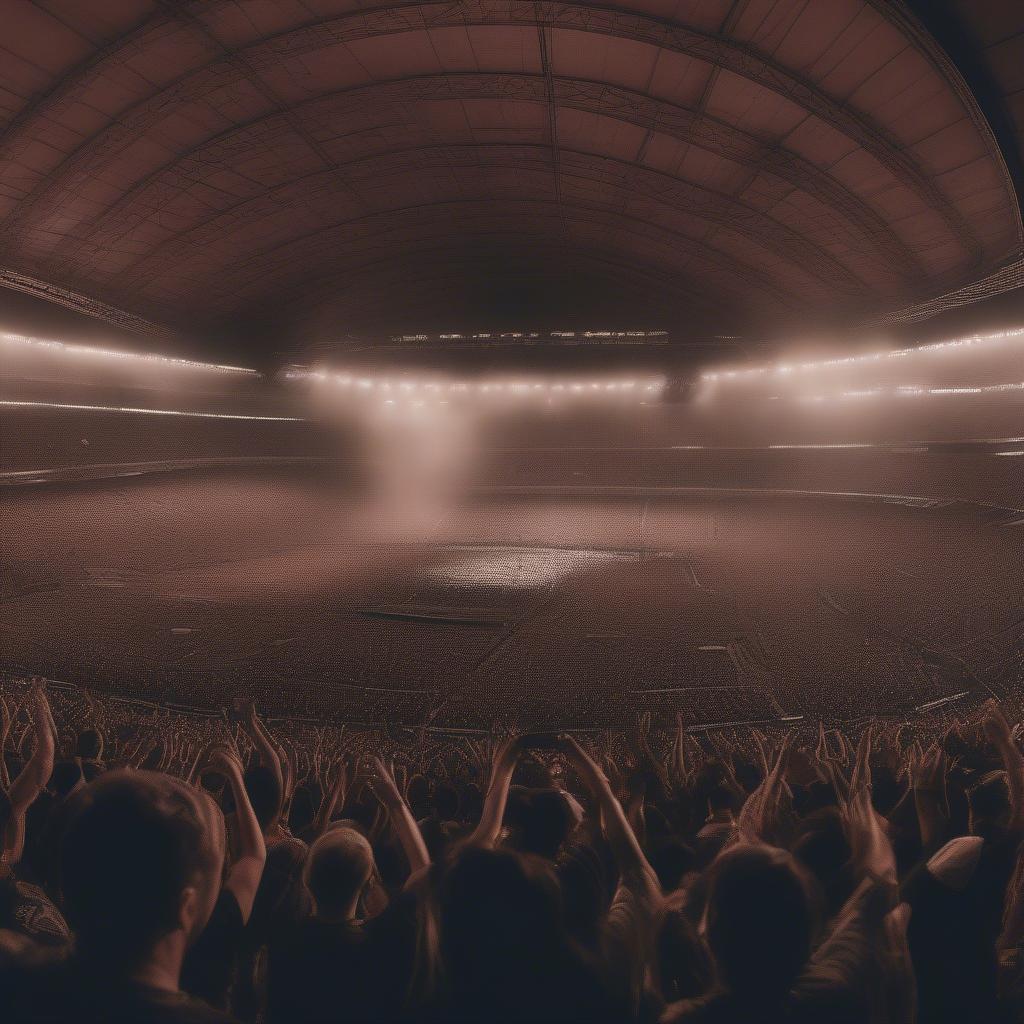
304	803
720	799
338	867
154	759
446	801
141	856
90	744
543	819
989	802
264	789
471	802
759	920
417	795
885	790
672	861
532	772
748	775
823	849
500	914
65	776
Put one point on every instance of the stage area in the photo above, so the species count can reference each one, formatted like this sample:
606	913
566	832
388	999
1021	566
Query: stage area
548	610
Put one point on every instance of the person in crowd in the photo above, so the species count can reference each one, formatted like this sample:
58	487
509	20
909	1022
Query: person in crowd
958	893
208	970
141	860
339	961
279	899
149	871
26	911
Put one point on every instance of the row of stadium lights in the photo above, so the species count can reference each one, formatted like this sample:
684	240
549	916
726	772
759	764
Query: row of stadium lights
780	370
575	387
513	335
12	338
372	384
784	369
911	390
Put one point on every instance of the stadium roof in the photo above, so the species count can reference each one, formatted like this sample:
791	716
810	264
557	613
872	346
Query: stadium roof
324	164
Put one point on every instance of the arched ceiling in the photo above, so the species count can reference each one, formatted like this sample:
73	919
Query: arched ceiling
322	163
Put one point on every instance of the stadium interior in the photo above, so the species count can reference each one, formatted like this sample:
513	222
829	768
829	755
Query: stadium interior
643	381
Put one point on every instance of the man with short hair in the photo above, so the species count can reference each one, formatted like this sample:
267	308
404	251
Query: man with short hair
339	866
142	856
335	965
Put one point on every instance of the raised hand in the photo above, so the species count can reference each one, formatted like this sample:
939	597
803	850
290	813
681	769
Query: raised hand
860	778
765	808
928	770
586	767
998	732
381	780
505	756
223	759
994	724
34	776
871	851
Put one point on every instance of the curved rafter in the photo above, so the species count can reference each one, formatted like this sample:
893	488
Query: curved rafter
374	224
621	177
664	171
714	50
592	97
468	258
434	244
898	14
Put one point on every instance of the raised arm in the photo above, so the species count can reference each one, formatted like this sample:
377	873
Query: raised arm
32	778
629	856
331	799
269	755
505	758
871	853
382	782
5	729
1000	735
266	749
928	777
630	925
247	869
36	773
1012	936
760	817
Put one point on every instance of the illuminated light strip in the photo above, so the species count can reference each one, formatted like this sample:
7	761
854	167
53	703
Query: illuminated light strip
10	403
885	446
786	368
147	357
1010	453
531	334
511	386
906	391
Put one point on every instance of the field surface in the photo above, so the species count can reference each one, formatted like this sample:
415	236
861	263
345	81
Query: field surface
555	610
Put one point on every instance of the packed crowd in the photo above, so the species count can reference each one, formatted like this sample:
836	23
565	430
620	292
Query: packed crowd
171	868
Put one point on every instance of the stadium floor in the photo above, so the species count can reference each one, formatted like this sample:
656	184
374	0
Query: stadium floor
552	611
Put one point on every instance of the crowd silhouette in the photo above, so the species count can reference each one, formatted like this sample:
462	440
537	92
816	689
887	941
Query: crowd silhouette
167	867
